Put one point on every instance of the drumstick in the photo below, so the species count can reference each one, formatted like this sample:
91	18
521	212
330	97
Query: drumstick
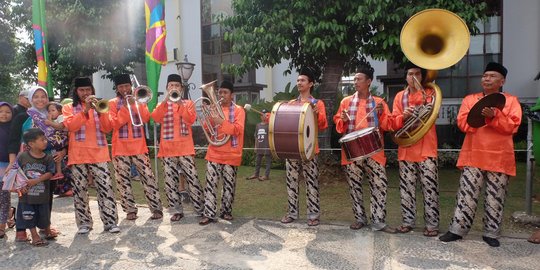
249	108
357	125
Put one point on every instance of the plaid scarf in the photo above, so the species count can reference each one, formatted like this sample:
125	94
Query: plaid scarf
371	114
168	124
123	131
234	139
80	135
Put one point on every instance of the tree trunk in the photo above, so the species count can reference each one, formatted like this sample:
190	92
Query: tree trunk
333	70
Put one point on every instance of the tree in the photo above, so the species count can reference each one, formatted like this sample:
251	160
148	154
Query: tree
9	85
330	36
84	36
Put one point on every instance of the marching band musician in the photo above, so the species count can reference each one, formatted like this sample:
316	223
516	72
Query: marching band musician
88	154
223	161
418	161
310	169
176	148
129	148
372	111
487	155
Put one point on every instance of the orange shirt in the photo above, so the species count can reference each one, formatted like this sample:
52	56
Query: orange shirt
127	146
87	151
425	147
179	145
322	122
385	123
226	154
490	147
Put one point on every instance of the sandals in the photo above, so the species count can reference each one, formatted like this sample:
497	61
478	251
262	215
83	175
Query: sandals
356	225
177	217
253	177
206	221
535	238
51	234
131	216
287	219
431	233
21	237
228	217
157	215
39	243
404	229
313	222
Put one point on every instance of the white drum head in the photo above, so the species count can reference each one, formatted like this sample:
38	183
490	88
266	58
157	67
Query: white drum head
307	136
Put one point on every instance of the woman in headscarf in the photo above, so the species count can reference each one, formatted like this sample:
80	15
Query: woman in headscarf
37	114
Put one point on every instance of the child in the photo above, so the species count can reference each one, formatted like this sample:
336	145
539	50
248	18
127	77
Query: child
33	208
55	120
261	148
6	113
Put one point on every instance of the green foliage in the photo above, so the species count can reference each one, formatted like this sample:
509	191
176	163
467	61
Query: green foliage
84	36
9	83
308	32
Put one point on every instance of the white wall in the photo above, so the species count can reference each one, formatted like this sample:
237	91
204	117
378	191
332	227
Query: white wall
521	46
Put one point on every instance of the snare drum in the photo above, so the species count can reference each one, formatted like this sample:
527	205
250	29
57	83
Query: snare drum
293	131
362	143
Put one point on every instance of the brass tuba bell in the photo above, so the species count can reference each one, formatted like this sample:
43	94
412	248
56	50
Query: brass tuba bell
432	39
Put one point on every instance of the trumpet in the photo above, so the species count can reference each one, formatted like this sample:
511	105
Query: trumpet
100	105
175	95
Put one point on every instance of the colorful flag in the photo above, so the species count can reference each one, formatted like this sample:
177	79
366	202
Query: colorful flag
156	53
40	41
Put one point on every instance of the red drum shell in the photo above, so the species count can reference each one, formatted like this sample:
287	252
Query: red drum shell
292	131
362	143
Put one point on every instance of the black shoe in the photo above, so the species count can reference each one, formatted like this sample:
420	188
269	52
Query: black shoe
450	237
492	242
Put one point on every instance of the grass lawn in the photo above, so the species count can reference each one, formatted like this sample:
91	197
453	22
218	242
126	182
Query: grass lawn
268	199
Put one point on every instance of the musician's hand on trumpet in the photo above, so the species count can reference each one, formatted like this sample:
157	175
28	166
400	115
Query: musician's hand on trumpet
89	103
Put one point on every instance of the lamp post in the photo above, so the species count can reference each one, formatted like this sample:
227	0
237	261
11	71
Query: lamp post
185	69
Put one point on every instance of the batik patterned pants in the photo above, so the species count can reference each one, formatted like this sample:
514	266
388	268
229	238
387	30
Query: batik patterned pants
427	172
105	194
470	184
174	167
310	169
378	185
214	172
122	168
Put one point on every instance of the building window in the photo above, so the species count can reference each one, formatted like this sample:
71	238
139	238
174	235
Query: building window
464	77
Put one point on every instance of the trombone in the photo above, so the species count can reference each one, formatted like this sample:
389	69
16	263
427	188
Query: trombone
141	94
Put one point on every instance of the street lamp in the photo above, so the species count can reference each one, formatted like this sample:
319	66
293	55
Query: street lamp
186	70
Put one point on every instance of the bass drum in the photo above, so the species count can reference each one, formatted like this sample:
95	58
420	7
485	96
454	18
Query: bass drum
293	131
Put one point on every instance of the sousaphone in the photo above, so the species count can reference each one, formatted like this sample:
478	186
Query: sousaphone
432	39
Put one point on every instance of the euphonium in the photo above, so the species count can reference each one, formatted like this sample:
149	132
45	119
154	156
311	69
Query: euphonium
208	108
432	39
